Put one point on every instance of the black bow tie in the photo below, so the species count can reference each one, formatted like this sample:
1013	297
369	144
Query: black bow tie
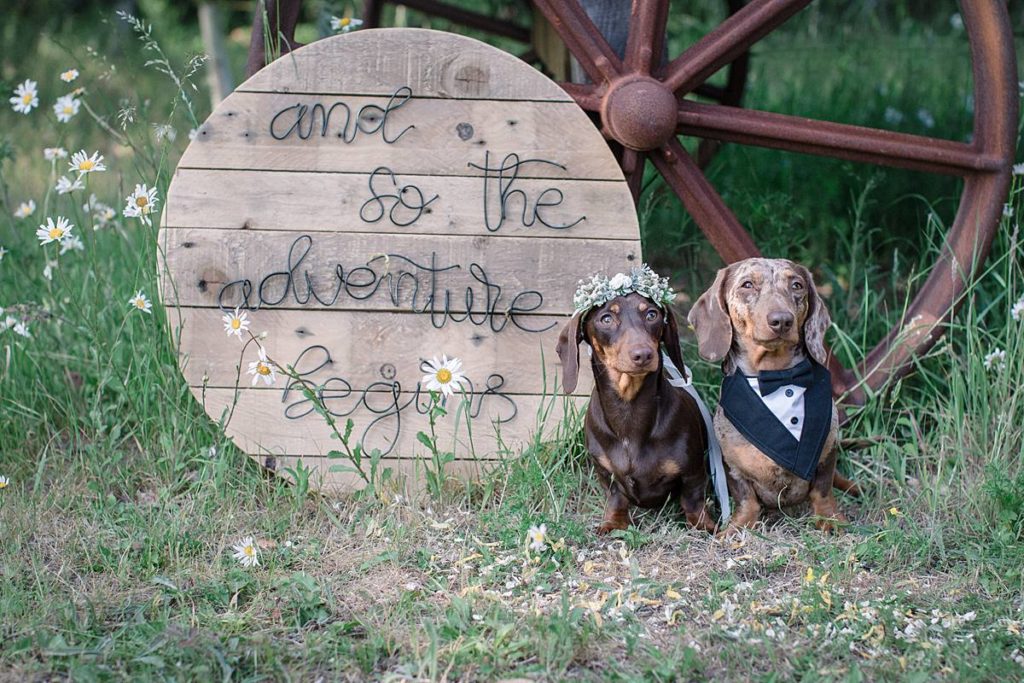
801	375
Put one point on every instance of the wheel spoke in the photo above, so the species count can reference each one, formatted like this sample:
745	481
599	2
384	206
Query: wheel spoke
585	94
842	141
582	38
632	163
704	204
728	40
646	34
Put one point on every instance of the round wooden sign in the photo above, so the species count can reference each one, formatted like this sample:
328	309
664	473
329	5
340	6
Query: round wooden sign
374	200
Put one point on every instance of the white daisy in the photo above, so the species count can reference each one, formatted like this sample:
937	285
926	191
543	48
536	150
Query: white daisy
21	328
345	24
193	134
69	75
445	375
538	536
66	185
101	213
26	97
926	118
996	359
83	163
236	323
25	209
54	232
262	368
246	552
140	203
48	269
4	482
71	243
66	107
1018	169
54	153
1017	311
1007	211
140	302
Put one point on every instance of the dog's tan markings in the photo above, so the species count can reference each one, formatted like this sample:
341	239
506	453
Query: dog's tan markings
642	307
615	308
605	462
669	468
627	386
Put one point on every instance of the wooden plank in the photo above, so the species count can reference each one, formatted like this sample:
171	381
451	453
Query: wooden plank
316	345
260	424
408	475
237	199
441	64
401	281
448	136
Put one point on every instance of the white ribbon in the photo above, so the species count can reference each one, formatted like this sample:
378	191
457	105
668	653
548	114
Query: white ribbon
716	466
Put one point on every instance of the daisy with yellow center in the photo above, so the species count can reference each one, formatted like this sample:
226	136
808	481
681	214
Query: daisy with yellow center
141	203
345	24
4	482
25	209
66	107
140	302
84	163
69	75
262	369
445	375
26	97
537	537
236	323
54	232
246	552
54	153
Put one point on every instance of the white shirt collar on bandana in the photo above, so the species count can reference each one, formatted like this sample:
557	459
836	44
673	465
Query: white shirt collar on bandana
786	404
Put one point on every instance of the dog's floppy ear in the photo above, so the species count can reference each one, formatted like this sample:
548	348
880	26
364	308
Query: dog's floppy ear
817	322
670	338
568	350
710	320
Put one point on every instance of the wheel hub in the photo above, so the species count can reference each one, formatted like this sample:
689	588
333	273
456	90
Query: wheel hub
639	112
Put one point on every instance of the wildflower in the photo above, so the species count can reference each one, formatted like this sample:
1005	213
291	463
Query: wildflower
69	243
140	203
3	252
66	185
246	552
1018	309
193	134
957	22
4	482
66	107
21	327
48	269
809	576
345	24
445	376
26	97
54	232
996	359
25	209
893	116
926	118
54	153
86	164
236	323
263	369
69	75
895	511
140	302
1018	169
537	536
1007	211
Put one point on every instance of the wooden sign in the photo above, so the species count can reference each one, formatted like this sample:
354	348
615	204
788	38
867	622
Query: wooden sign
374	200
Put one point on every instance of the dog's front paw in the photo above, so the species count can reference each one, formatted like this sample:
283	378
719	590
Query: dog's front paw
608	527
831	525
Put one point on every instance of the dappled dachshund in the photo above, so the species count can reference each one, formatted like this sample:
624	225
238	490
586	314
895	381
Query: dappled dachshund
777	423
646	437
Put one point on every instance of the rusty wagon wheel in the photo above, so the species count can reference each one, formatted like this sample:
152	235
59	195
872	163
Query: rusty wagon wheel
641	106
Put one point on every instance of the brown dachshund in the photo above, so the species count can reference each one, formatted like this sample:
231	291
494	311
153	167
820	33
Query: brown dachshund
646	437
776	421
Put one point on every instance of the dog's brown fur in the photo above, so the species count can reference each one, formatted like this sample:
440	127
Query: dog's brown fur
647	437
734	325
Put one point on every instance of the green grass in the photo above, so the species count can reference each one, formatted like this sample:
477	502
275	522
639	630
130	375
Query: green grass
125	499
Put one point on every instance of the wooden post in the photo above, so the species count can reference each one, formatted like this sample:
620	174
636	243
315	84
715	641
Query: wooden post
218	73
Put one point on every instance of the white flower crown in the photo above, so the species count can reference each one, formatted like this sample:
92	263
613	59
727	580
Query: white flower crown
644	281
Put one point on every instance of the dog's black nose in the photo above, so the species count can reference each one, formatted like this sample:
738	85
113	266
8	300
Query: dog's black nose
780	321
641	356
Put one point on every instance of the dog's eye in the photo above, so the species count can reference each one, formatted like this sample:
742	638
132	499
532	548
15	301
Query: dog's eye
747	284
797	285
652	314
606	318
